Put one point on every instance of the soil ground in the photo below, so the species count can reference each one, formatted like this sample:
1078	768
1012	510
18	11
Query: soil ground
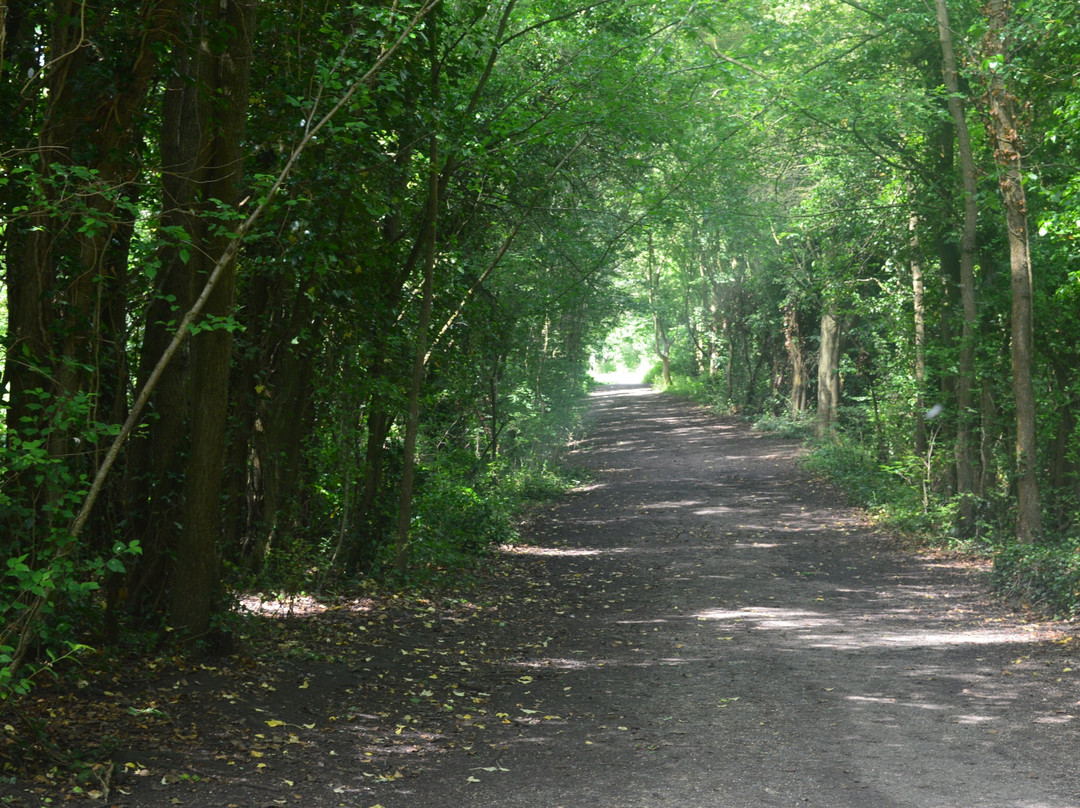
700	625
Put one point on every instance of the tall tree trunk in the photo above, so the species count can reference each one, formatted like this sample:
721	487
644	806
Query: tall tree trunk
708	314
793	343
66	255
965	377
1064	469
412	412
1004	128
222	86
663	349
918	292
203	125
661	342
284	420
360	552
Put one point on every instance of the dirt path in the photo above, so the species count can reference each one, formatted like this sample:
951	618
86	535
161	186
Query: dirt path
699	626
743	641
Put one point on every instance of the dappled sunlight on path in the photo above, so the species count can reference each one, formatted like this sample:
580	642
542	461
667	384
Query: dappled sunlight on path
729	636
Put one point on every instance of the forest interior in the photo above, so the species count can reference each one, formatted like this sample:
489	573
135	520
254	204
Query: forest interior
303	300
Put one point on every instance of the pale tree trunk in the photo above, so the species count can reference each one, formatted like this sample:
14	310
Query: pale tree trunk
828	397
918	291
1004	129
660	337
708	309
729	364
965	472
663	348
793	344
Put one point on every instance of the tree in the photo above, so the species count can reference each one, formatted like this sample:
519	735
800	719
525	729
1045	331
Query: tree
965	377
1006	128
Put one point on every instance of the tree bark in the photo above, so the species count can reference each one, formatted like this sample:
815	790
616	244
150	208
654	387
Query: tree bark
222	86
661	342
965	377
203	125
66	256
918	293
793	343
412	412
828	397
1004	128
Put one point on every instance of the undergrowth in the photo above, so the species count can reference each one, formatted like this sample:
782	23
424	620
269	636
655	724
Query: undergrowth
792	427
1043	576
900	495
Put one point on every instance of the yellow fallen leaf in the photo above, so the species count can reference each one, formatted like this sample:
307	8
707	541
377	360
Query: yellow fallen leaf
275	723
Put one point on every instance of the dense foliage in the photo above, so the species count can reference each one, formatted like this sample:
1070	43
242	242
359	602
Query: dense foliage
298	292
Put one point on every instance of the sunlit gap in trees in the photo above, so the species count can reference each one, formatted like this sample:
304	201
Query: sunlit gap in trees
624	356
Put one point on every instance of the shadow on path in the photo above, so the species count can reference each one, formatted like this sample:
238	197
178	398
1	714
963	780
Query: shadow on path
727	634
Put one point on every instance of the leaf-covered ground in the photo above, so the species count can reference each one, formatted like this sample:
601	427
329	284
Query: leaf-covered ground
700	625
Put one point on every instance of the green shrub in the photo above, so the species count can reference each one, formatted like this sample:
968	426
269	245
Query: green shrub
798	426
654	375
455	524
850	466
1044	576
50	583
529	484
888	490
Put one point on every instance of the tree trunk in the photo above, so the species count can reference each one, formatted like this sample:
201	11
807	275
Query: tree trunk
828	398
918	290
800	380
204	113
222	89
412	412
660	337
66	255
1004	129
965	377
